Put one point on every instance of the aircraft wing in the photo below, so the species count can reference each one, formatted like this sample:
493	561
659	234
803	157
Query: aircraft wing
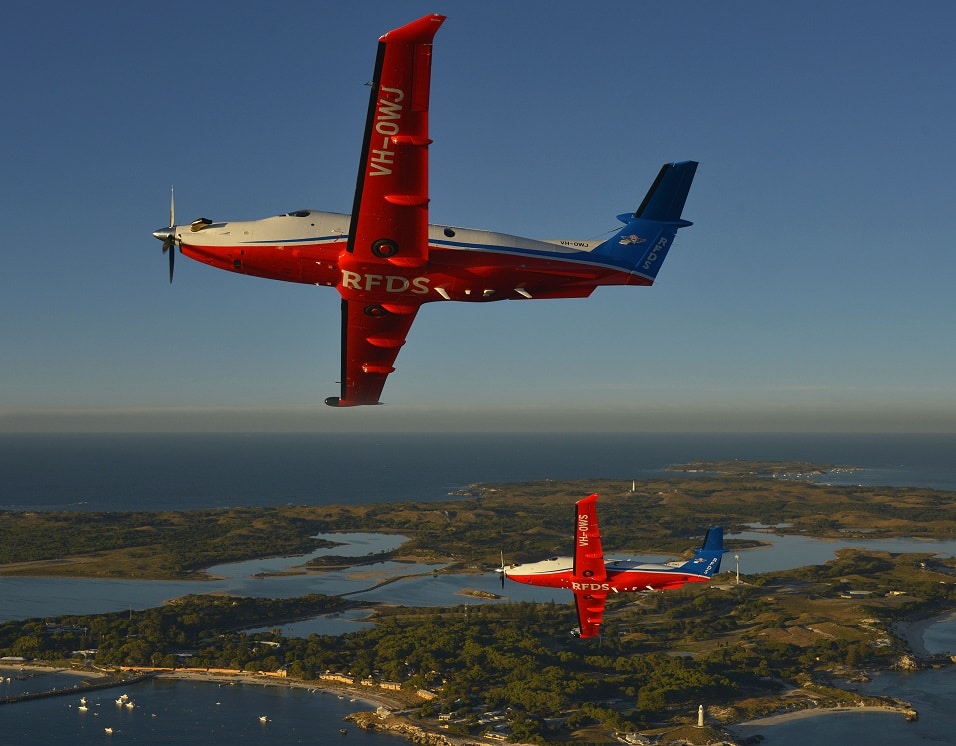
588	554
370	344
391	196
387	244
590	605
590	573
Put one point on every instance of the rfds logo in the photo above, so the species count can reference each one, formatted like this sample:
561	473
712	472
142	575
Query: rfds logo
388	283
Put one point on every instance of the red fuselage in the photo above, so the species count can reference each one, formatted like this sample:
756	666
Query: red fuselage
464	265
622	575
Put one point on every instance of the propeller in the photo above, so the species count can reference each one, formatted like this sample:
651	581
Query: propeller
502	569
168	235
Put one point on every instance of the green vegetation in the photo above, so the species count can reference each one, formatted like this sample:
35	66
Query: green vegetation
162	636
148	545
526	521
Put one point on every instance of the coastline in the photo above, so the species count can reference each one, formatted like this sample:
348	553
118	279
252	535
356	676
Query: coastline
85	673
787	717
367	701
365	695
371	698
913	632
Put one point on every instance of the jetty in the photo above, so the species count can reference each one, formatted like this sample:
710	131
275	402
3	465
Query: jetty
81	688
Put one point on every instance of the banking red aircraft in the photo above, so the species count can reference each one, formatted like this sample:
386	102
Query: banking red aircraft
591	578
385	259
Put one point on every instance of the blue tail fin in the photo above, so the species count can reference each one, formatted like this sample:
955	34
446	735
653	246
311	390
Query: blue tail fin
707	559
641	245
665	200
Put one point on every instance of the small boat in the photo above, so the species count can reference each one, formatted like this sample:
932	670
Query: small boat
82	700
343	731
130	705
107	730
82	708
263	719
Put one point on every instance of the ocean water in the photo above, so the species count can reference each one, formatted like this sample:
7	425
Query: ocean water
182	713
160	472
176	472
930	692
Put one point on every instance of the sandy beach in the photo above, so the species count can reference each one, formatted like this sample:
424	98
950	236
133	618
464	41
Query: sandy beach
787	717
913	631
366	695
36	669
372	697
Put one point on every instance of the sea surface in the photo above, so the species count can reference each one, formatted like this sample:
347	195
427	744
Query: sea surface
169	712
175	472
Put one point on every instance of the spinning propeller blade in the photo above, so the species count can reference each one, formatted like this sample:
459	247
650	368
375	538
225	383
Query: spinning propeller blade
168	235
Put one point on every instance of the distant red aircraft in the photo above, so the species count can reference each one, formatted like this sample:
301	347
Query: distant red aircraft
388	261
591	578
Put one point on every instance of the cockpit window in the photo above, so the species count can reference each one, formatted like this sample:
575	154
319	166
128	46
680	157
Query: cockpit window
298	214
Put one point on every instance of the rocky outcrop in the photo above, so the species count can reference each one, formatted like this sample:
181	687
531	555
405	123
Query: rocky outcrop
907	663
399	726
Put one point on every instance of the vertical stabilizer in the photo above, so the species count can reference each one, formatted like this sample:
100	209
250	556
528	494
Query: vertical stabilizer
664	201
707	559
642	244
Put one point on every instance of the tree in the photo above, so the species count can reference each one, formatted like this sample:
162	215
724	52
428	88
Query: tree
650	700
27	646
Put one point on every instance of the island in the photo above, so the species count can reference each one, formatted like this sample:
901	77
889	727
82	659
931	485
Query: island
772	643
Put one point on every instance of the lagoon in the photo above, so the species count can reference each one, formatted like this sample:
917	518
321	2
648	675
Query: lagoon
27	597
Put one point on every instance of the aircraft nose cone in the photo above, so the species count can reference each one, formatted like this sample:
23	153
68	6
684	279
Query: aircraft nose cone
164	234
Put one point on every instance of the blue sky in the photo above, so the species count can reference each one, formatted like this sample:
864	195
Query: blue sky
812	293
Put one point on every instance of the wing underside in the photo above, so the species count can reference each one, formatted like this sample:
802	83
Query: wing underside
590	606
590	572
372	335
588	553
383	265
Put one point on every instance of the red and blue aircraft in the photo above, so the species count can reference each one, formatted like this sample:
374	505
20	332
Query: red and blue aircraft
591	578
386	261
